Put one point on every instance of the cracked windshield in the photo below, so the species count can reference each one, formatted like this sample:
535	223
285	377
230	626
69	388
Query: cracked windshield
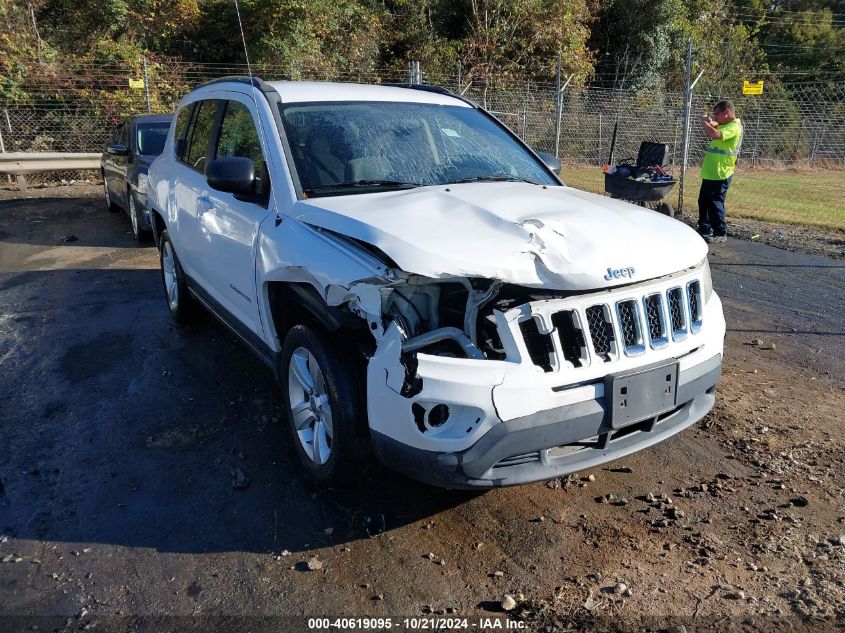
342	148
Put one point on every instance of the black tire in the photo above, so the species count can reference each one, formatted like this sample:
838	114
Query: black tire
666	209
182	306
349	448
111	206
138	231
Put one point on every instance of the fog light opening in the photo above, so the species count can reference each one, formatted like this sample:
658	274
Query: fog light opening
438	416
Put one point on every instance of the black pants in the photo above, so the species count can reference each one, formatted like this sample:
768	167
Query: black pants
711	207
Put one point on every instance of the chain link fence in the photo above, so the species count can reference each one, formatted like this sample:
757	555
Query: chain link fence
75	109
805	128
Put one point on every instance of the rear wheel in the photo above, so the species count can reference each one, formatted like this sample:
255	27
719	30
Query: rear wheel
175	283
323	401
138	232
109	204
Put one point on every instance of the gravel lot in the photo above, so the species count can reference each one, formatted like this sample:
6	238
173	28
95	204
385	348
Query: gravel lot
122	435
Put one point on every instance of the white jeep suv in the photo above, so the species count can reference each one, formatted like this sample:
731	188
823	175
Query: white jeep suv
426	288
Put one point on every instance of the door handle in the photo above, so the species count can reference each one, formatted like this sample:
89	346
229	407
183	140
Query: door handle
204	204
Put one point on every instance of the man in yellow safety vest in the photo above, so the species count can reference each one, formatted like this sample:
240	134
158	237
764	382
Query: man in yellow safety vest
725	133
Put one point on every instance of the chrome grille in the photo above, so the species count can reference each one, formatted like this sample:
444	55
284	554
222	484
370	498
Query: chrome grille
695	305
652	310
657	330
676	309
629	322
539	345
571	335
629	326
601	331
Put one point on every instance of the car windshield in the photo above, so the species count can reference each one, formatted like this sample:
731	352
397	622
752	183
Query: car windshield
151	137
358	147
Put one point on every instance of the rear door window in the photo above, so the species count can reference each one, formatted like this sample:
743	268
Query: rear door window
199	135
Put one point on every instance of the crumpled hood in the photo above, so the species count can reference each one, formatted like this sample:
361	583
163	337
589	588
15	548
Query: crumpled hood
558	237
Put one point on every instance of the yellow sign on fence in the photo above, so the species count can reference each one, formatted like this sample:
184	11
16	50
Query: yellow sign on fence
136	84
749	88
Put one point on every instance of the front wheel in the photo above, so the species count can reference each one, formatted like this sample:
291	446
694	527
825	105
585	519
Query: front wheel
323	401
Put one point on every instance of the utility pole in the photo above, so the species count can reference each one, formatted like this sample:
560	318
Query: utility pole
414	73
147	85
687	107
3	151
559	104
525	109
557	107
756	136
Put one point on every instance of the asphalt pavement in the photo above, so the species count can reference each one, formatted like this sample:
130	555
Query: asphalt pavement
123	434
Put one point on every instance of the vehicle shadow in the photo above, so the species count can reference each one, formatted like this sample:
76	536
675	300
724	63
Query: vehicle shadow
120	427
64	221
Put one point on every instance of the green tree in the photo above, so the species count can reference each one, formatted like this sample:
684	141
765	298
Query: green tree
804	40
642	44
635	41
524	37
428	31
22	51
77	25
163	26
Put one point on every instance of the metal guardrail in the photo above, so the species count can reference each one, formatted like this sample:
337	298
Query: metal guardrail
22	163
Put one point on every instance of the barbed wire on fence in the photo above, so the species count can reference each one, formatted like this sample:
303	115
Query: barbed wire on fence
74	109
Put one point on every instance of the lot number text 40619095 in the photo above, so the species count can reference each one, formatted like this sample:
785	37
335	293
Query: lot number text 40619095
414	624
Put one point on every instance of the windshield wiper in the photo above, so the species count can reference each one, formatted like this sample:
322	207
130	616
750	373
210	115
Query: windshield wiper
492	178
364	184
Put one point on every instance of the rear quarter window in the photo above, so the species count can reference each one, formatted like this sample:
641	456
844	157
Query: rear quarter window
150	137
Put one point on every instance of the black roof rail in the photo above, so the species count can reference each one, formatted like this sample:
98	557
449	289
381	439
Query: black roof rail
426	87
242	79
432	88
257	82
267	89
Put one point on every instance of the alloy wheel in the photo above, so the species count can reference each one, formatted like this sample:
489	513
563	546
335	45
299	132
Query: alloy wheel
133	217
168	266
311	410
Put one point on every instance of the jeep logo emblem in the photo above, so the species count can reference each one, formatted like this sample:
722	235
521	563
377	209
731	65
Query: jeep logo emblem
616	273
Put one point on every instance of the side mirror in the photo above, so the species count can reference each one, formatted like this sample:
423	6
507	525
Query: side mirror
551	161
117	149
233	174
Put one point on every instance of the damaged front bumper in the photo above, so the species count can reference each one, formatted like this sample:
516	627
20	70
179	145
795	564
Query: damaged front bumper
552	443
470	423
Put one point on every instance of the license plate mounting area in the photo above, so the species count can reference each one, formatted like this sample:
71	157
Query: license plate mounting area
640	394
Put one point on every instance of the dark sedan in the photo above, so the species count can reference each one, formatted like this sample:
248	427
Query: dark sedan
135	143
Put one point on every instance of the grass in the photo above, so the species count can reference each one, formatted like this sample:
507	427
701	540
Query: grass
810	198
